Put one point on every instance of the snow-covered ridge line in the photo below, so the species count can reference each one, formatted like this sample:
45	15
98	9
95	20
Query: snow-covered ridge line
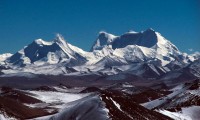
138	48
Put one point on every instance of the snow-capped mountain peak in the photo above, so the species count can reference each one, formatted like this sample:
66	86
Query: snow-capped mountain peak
63	44
195	56
103	40
147	38
109	36
5	56
42	52
60	40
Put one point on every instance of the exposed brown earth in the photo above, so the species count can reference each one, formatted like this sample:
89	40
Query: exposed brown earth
129	110
12	103
149	95
91	89
17	95
45	88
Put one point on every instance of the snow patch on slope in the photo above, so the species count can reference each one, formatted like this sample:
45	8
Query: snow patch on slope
56	97
186	113
86	109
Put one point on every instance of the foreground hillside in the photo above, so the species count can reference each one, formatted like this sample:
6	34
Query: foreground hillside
118	101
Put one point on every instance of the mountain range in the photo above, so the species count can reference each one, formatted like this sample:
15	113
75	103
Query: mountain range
134	76
137	53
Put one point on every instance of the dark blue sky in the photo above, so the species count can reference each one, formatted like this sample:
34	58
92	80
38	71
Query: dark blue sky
79	21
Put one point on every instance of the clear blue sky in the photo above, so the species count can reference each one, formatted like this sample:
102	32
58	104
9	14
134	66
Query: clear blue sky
79	21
